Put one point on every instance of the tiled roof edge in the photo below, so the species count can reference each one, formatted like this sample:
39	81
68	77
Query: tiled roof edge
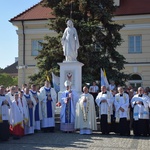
13	19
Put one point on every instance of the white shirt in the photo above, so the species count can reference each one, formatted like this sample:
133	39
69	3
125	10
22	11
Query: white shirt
94	89
106	105
123	102
140	111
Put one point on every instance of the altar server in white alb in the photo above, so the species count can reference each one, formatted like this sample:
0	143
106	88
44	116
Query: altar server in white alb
16	118
24	107
10	94
38	113
29	127
48	98
69	99
140	104
85	113
105	102
4	115
122	112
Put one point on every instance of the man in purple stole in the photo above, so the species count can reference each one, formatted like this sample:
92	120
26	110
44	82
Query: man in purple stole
29	128
48	99
37	114
68	103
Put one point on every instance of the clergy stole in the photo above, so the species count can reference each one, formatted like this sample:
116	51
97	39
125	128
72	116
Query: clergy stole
48	113
85	108
1	120
1	115
139	110
37	118
108	108
117	113
49	108
30	110
68	110
36	115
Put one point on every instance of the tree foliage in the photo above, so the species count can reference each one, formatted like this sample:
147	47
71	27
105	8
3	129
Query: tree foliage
7	80
99	38
1	69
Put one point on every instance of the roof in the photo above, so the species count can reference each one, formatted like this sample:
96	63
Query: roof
11	69
127	7
36	12
133	7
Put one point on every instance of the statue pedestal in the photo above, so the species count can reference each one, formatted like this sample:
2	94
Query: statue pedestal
72	71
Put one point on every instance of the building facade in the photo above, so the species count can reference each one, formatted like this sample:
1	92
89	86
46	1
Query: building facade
135	15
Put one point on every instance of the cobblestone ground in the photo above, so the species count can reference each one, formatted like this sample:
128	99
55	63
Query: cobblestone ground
72	141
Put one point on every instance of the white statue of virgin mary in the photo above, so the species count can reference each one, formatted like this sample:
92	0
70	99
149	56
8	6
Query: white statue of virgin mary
70	42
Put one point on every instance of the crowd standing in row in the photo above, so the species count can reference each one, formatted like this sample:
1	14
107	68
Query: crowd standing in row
29	110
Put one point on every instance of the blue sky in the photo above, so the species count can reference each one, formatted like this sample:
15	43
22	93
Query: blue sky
8	35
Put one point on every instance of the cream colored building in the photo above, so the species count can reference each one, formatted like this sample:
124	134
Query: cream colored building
32	27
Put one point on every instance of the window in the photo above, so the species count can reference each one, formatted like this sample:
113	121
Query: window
135	44
36	46
135	81
135	77
116	2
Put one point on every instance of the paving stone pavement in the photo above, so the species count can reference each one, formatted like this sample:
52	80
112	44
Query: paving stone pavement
73	141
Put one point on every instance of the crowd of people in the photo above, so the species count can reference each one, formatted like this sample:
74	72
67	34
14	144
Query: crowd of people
123	109
28	110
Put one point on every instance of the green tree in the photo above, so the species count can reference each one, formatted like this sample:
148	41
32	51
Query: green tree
99	38
7	80
1	70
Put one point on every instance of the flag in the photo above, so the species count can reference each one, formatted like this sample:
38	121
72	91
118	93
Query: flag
56	82
104	80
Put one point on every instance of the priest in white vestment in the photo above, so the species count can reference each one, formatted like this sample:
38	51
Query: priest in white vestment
48	98
85	119
122	112
140	104
29	127
68	103
4	115
38	113
105	102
